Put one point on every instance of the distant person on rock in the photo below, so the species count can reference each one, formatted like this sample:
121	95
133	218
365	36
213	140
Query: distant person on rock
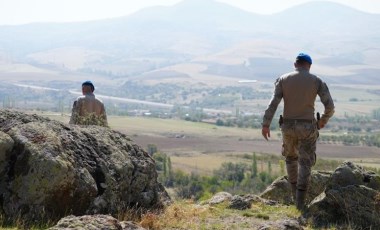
87	109
299	127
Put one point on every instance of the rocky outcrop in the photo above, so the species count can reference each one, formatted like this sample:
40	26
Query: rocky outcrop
220	197
94	222
239	202
49	170
282	225
351	197
280	189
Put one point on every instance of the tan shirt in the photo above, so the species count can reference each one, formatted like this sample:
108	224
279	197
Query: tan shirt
299	90
88	110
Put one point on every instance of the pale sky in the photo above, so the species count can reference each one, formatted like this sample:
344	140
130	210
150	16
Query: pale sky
14	12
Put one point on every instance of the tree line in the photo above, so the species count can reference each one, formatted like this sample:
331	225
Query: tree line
253	176
235	178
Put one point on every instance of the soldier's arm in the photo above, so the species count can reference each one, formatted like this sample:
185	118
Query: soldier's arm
327	101
273	104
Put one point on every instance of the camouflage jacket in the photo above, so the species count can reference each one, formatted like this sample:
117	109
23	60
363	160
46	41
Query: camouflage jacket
88	110
299	90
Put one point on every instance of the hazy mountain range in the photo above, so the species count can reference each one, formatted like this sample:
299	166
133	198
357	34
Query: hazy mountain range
204	38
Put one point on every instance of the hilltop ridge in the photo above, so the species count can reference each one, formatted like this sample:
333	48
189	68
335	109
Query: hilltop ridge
160	37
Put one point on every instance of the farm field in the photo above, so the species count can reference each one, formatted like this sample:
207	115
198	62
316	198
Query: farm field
201	147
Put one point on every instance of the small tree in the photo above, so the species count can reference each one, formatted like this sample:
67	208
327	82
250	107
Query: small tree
151	149
254	166
269	167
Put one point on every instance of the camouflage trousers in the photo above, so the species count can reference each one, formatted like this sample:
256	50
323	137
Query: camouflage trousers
299	146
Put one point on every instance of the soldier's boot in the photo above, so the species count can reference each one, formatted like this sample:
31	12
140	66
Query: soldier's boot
292	170
300	199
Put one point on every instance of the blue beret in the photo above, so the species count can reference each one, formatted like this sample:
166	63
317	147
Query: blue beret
89	83
304	57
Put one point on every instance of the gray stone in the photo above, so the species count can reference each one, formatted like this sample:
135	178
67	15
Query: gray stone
352	198
240	203
88	222
352	174
129	225
220	197
55	170
289	224
280	190
94	222
6	146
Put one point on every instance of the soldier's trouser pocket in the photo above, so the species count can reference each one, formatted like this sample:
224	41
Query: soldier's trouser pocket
308	135
289	142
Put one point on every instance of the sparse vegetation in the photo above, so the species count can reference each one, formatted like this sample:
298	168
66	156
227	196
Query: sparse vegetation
186	214
235	178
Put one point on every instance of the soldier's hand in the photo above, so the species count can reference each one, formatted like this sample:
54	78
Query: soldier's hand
265	131
321	125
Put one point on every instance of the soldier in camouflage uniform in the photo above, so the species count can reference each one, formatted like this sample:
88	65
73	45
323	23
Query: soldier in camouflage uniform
299	90
87	109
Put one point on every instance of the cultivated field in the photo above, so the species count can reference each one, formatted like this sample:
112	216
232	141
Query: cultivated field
204	147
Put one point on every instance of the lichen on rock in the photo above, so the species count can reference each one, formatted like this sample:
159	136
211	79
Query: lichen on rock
49	170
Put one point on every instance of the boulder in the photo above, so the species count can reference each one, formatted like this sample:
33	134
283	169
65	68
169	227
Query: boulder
219	197
94	222
352	174
241	202
130	225
88	222
289	224
49	170
6	145
352	198
280	190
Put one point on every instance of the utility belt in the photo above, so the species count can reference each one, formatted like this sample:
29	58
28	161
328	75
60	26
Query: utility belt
295	121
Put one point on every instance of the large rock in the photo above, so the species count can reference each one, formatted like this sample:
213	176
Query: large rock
6	146
351	174
49	170
220	197
239	202
352	197
94	222
280	189
289	224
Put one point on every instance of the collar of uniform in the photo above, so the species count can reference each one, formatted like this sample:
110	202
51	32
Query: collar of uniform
301	69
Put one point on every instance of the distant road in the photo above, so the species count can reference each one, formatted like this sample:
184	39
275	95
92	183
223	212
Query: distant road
121	99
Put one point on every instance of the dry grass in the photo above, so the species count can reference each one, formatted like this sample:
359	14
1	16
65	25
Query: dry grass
168	127
202	164
188	215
